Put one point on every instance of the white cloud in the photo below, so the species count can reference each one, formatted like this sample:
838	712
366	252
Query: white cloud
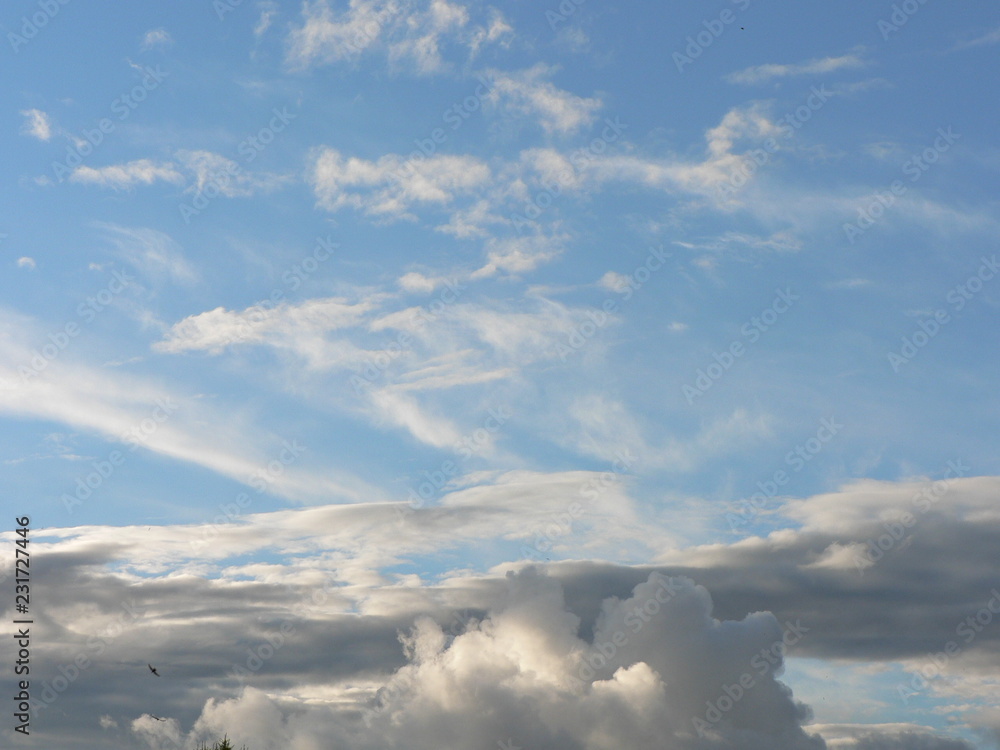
614	282
218	173
207	172
390	186
412	33
126	176
300	328
498	30
527	94
763	73
473	221
749	125
36	124
424	46
417	282
451	345
156	38
267	14
853	283
899	736
26	262
326	38
516	255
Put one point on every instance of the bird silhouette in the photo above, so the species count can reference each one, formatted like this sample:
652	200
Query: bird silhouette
153	669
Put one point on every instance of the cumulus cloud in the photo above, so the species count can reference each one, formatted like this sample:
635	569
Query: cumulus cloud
325	37
389	186
36	124
522	677
413	34
591	655
423	48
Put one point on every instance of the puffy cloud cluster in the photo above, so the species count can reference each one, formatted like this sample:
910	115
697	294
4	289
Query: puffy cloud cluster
412	32
521	677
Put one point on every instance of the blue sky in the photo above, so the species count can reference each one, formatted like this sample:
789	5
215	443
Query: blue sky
406	295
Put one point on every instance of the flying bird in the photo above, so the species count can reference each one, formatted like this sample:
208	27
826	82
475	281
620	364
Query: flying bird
153	669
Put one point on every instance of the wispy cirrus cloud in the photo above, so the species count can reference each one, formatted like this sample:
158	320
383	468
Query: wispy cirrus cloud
196	170
128	175
763	73
154	253
112	405
990	37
